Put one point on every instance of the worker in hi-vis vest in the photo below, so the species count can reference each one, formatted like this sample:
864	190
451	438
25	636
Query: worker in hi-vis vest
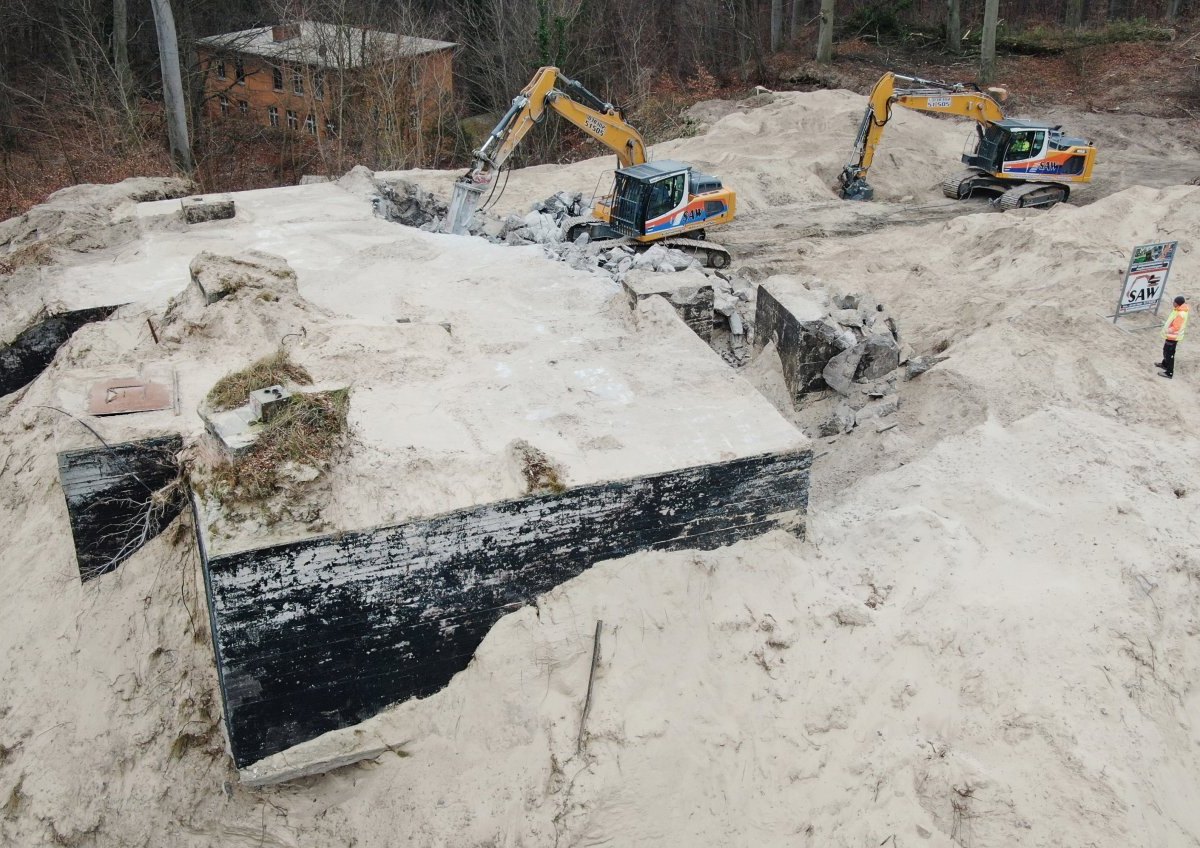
1172	332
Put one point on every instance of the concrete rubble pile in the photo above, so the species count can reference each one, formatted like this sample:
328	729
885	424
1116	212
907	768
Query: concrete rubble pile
845	343
871	361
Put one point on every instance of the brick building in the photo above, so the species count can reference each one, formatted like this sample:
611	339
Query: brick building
322	79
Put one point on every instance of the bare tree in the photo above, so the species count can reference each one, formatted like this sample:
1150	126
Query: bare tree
1074	17
120	49
776	25
987	47
176	107
797	13
825	34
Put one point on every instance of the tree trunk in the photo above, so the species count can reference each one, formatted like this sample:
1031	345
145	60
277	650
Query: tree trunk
794	31
825	34
776	25
1074	14
1174	7
953	25
987	47
176	111
120	48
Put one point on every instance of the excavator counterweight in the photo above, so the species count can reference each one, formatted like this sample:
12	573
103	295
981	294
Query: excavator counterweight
1026	163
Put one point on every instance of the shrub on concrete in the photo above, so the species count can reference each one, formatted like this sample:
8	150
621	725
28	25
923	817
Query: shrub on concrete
234	389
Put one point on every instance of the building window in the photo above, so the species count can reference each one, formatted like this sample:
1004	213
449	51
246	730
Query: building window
297	82
310	124
330	128
277	78
224	105
293	121
243	108
221	69
240	70
319	84
273	115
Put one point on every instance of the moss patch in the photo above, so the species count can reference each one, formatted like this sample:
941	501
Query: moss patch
307	432
232	390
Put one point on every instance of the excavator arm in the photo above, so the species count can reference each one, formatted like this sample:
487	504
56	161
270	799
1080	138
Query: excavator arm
552	90
941	98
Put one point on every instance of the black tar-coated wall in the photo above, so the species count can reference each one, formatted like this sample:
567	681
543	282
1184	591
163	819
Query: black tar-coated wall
324	633
118	498
30	353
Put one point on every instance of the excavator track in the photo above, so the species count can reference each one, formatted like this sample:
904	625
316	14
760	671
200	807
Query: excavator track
1028	195
710	254
960	186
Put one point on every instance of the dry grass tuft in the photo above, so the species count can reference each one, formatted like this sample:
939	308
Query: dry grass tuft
306	432
232	390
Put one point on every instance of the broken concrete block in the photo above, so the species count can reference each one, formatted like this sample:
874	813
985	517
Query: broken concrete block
918	365
841	420
235	429
880	357
689	292
840	370
881	408
651	259
797	322
267	403
197	210
216	277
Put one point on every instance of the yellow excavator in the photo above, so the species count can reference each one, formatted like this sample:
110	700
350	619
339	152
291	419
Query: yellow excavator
1026	163
650	201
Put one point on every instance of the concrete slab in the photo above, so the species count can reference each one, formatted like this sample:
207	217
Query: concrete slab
652	439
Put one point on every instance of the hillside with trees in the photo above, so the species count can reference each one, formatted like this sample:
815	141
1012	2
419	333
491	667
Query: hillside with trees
82	97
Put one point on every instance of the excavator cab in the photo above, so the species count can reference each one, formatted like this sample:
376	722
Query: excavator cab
657	199
1020	149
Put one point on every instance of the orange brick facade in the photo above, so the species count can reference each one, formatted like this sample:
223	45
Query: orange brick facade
409	93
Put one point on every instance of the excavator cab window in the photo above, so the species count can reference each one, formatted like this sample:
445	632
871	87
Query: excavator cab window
989	143
1025	144
665	195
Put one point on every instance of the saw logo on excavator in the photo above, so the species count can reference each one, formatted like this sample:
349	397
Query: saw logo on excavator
649	201
1026	163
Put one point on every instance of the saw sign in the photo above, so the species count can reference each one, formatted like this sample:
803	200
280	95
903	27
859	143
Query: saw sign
1143	288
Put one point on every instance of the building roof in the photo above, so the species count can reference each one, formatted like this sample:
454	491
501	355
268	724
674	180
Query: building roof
325	45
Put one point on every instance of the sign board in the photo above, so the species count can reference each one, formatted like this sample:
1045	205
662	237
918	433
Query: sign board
1146	279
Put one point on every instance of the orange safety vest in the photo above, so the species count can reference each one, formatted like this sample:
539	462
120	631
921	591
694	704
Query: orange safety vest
1176	323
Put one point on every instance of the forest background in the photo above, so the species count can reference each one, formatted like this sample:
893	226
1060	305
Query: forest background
81	92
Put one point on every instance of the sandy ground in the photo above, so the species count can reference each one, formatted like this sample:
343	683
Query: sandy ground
991	636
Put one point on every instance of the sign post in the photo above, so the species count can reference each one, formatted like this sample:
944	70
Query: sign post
1146	279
